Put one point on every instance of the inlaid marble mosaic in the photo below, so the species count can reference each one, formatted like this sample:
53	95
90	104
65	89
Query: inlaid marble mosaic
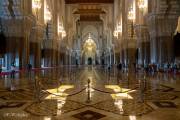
127	107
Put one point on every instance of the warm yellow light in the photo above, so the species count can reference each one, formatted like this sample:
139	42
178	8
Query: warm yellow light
142	4
178	26
58	93
121	96
91	90
47	13
132	11
119	104
60	104
89	48
36	4
124	92
47	118
63	33
89	40
60	96
132	117
116	88
115	33
65	87
61	30
119	28
131	14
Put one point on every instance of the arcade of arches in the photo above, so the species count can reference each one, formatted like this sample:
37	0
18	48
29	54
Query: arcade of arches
89	59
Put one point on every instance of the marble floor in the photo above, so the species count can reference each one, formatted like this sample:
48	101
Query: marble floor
89	93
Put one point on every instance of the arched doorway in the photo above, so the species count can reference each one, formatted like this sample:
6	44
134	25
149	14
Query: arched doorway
89	51
90	61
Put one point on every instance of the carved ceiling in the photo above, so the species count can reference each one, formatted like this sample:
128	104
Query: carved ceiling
89	1
90	18
89	12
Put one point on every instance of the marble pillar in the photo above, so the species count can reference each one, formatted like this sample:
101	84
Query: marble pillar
161	29
143	44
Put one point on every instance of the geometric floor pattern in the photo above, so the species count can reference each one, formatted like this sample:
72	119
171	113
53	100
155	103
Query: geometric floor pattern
20	104
89	115
49	107
128	107
165	104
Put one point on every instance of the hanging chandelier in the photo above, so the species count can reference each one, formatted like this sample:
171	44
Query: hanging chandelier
131	14
36	4
90	40
117	30
142	4
61	29
47	14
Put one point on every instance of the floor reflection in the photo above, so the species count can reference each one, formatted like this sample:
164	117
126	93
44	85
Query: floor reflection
64	92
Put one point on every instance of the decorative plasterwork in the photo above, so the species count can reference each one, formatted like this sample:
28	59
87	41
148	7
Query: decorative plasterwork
141	33
89	11
18	28
160	25
11	9
88	1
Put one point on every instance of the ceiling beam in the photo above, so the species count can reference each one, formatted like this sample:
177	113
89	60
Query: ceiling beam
89	1
89	11
90	18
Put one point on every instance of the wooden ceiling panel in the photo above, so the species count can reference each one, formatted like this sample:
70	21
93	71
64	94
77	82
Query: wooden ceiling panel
89	1
90	18
89	11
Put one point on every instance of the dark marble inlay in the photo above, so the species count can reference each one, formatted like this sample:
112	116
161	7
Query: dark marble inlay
89	115
165	104
11	105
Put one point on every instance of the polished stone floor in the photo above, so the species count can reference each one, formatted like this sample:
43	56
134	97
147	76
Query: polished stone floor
89	93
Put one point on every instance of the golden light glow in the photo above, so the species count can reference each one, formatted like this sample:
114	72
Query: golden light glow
89	44
58	93
47	118
123	95
63	33
89	48
115	33
132	117
61	28
132	11
36	4
118	29
178	26
47	13
142	4
90	89
119	104
60	104
131	14
90	41
116	88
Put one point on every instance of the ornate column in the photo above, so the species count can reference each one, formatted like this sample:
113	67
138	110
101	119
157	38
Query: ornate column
17	26
37	32
143	44
36	38
161	24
